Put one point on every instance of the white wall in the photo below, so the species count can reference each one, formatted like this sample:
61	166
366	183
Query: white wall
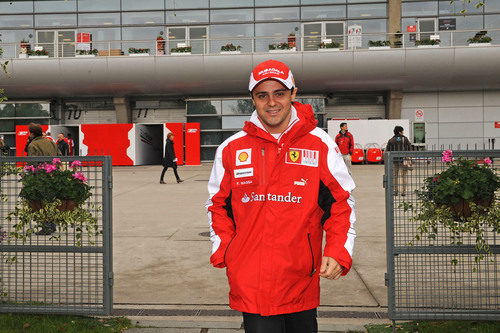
460	120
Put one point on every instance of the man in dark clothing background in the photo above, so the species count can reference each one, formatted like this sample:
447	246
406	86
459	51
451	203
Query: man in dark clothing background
62	145
345	141
399	142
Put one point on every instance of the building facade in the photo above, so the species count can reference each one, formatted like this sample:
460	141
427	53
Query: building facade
455	86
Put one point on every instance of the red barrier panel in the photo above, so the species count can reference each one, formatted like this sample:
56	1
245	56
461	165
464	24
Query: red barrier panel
22	137
178	131
117	140
192	143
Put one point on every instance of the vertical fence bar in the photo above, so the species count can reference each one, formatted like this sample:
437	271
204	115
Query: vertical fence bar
107	185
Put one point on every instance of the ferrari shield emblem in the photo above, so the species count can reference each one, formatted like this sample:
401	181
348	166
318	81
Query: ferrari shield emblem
294	155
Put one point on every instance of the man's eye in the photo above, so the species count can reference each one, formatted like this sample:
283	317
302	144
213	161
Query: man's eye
263	96
279	94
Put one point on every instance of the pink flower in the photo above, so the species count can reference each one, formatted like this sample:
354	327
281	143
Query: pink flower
447	156
50	168
56	161
75	164
487	161
80	176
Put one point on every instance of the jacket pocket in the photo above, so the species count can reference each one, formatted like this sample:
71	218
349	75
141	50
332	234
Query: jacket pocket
227	248
313	269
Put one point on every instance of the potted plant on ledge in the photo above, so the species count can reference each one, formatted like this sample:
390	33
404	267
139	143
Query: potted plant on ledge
86	53
230	49
38	53
160	45
327	45
52	197
281	47
133	52
480	39
427	42
25	48
459	203
379	45
181	50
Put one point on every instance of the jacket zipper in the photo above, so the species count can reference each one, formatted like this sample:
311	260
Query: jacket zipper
225	252
263	167
313	270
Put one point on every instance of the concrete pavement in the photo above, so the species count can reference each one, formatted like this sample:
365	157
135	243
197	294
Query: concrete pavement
161	255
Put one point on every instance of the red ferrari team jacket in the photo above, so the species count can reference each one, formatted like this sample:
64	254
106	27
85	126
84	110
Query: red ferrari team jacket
345	142
270	201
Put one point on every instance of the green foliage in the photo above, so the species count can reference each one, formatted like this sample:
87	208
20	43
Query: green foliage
85	52
427	41
38	53
479	39
48	182
331	45
61	323
230	47
280	46
437	326
379	43
181	49
134	50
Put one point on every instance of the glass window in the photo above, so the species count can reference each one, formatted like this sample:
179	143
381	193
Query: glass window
473	22
207	153
237	107
366	10
98	5
55	20
55	6
187	16
267	3
207	122
32	110
16	21
492	6
277	14
16	7
204	107
355	1
143	4
145	37
230	3
101	36
181	4
99	19
421	8
491	21
210	138
323	12
446	8
231	15
273	33
14	36
218	34
371	25
143	18
234	122
322	2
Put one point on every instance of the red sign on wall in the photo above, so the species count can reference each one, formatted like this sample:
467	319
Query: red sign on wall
22	137
497	124
83	37
178	131
411	28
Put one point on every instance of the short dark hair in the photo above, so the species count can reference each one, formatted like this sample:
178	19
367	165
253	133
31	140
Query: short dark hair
398	129
36	129
342	124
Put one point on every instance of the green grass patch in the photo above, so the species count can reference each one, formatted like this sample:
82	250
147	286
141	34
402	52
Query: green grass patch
11	322
438	326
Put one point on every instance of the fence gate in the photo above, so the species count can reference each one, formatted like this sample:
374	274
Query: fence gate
69	271
432	278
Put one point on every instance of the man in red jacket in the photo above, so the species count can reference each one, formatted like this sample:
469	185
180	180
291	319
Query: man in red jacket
345	141
275	187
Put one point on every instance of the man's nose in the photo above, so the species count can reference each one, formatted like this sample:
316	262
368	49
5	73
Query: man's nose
271	100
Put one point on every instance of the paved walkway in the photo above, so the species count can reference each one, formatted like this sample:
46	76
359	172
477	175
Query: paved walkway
161	256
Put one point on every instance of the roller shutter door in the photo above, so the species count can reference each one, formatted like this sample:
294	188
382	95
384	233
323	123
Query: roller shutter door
355	111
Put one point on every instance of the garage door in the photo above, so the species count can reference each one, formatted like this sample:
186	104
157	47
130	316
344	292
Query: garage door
355	111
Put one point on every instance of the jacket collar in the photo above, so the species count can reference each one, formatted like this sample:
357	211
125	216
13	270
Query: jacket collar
302	121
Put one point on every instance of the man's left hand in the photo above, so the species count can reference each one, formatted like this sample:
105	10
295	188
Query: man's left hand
330	268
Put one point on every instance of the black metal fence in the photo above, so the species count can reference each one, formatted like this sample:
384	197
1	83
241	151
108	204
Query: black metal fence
434	271
55	257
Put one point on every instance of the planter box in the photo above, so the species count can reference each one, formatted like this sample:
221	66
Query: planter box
180	53
230	52
39	57
479	44
379	47
139	54
293	49
332	49
84	55
23	56
426	46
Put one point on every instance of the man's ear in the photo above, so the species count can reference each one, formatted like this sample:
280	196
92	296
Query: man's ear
294	92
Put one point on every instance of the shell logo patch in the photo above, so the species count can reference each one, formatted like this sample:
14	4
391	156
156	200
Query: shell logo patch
244	156
299	156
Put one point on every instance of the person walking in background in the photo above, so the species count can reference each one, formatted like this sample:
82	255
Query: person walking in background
62	145
345	141
4	149
399	142
170	160
71	144
275	188
48	136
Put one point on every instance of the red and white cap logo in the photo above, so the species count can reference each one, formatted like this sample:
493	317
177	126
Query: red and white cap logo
271	69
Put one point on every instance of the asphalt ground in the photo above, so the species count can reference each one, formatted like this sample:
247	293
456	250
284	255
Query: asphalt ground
161	253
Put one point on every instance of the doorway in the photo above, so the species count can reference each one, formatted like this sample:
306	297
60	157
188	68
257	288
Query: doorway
58	43
426	27
315	32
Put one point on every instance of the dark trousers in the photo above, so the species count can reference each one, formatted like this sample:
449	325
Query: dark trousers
165	170
297	322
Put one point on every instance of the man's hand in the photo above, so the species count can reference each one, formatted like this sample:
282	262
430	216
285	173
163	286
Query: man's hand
330	268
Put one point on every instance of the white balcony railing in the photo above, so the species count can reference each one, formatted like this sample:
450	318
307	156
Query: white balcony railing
309	43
